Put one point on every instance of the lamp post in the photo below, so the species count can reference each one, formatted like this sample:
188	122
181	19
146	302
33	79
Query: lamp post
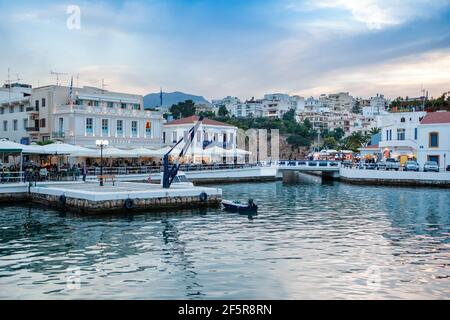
101	144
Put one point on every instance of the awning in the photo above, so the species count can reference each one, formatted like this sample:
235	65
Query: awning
11	147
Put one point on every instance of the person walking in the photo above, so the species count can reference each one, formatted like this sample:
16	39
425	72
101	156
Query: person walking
84	172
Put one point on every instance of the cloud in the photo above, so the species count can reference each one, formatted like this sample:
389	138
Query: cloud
398	77
374	14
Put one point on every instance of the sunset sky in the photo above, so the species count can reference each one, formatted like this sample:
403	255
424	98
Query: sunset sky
228	47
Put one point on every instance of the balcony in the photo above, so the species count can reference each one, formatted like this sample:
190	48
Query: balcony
32	110
58	135
32	129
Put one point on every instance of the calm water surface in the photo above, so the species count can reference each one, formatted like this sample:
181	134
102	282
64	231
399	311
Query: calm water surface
310	241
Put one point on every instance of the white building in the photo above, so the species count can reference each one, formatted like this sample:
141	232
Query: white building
276	105
86	115
14	108
377	106
400	134
250	109
339	102
434	139
231	103
210	133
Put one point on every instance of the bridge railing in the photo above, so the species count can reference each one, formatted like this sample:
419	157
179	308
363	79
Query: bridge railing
309	164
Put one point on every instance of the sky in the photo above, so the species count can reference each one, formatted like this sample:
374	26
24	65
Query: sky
244	48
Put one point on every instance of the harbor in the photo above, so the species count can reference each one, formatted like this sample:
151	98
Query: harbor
310	240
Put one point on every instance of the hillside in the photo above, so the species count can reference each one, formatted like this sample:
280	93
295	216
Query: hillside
152	100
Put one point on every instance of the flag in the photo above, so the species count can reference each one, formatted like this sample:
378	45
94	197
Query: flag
161	98
71	91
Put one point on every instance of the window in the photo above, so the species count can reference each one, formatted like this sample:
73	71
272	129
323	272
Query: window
5	125
22	108
434	140
2	110
61	124
174	137
89	126
434	158
123	105
36	104
136	106
401	134
43	103
148	129
164	137
15	122
11	109
415	133
403	120
120	128
25	124
134	129
110	104
96	103
43	124
105	128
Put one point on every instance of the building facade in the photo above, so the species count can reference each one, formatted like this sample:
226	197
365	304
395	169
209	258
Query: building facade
80	116
434	139
400	134
210	132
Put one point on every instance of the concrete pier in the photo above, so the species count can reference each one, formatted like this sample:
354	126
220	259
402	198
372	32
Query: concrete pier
91	198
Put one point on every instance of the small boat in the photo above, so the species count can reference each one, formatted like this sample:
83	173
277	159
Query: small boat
236	206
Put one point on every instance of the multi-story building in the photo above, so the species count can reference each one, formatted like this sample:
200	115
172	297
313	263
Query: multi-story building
231	103
340	101
250	109
14	111
209	132
82	115
276	105
376	107
400	134
434	139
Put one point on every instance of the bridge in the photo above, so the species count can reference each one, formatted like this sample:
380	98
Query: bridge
328	169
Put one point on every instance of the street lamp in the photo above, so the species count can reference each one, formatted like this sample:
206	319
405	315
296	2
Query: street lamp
102	144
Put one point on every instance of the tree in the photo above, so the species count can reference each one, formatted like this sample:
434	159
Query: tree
375	131
223	111
330	143
299	141
183	109
357	107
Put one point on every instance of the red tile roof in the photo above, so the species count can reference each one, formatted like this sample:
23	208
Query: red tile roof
194	119
436	117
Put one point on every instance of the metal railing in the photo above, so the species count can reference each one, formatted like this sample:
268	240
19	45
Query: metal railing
310	163
11	177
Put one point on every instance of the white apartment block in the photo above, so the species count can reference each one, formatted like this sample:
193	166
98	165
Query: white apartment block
14	108
339	102
86	115
377	106
231	103
400	133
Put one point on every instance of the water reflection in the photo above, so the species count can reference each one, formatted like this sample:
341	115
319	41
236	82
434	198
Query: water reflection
310	240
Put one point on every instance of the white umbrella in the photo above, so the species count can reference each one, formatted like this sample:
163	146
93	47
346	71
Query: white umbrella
144	152
9	146
32	149
112	152
63	149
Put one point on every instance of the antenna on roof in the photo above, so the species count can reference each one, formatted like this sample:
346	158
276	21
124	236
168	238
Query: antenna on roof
103	85
57	74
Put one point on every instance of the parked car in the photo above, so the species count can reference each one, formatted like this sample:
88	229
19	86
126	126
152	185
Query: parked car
392	164
431	166
411	166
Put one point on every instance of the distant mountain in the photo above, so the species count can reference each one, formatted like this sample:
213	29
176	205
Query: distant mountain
153	100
